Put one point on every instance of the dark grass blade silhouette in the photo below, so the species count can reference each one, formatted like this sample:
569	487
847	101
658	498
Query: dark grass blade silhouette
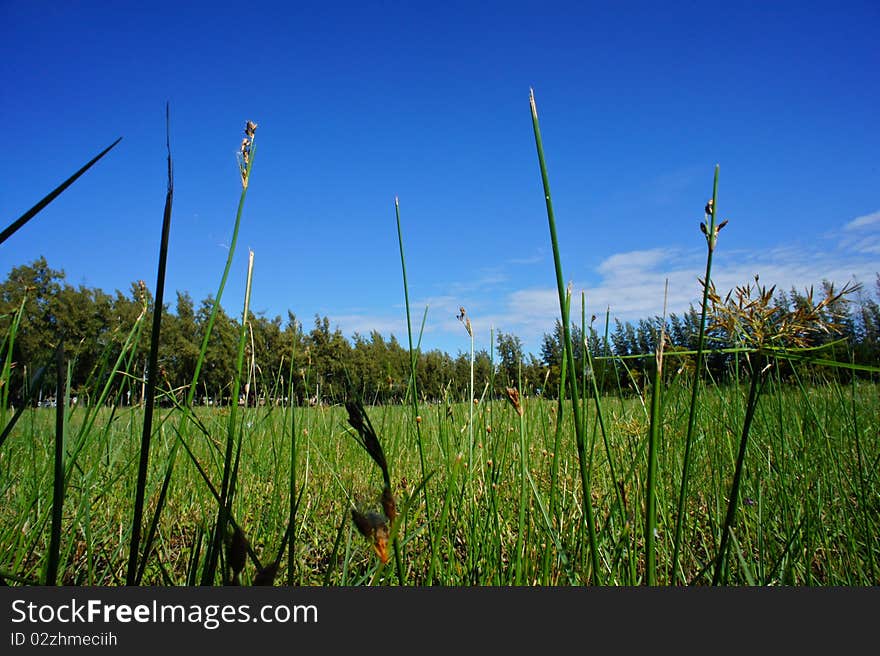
27	216
152	372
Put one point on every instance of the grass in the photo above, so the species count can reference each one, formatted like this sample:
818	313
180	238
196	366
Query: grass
801	521
767	481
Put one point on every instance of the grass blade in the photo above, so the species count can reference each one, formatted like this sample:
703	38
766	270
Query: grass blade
13	227
692	410
569	351
152	370
58	486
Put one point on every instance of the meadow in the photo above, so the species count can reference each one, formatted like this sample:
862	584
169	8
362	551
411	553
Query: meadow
510	513
768	477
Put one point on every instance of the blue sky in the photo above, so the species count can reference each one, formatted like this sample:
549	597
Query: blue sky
359	103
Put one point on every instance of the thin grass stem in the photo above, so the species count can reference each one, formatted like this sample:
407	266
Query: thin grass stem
569	352
695	389
152	370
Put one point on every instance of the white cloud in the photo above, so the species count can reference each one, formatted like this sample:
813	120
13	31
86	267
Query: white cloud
527	260
630	285
634	262
862	234
863	221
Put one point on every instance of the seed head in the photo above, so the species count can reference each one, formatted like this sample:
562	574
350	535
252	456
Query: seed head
753	316
374	527
462	316
513	397
244	152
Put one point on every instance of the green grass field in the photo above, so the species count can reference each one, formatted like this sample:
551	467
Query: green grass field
808	510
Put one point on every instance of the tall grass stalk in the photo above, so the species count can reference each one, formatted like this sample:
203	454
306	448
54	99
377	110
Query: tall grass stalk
569	351
246	175
757	378
413	354
61	390
187	416
711	238
292	500
152	370
471	399
233	437
653	447
600	414
523	488
560	416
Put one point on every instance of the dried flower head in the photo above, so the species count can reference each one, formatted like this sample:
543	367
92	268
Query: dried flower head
462	316
245	151
755	317
374	527
366	435
711	239
704	226
513	397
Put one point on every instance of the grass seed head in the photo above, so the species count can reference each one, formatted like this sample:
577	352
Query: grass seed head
513	397
374	527
245	150
360	421
462	316
755	317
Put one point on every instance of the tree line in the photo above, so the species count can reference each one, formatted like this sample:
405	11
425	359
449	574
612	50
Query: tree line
321	365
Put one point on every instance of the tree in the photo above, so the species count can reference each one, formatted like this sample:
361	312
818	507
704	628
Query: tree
510	353
37	285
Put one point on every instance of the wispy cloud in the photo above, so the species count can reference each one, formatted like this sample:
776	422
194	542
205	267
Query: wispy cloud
862	234
863	221
537	258
630	286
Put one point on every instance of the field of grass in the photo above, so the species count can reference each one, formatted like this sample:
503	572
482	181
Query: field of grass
767	480
808	511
